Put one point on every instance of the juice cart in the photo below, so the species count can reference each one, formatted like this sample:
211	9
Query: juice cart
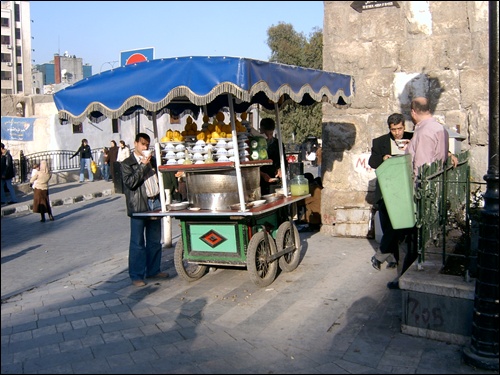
224	222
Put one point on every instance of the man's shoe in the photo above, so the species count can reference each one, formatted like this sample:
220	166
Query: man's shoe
161	275
139	283
391	265
393	285
375	263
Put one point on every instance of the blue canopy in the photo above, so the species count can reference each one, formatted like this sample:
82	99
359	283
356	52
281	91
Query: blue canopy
177	85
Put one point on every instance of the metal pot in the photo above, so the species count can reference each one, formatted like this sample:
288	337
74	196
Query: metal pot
218	189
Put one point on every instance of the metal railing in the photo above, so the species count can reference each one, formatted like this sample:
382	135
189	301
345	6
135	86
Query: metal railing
58	160
443	203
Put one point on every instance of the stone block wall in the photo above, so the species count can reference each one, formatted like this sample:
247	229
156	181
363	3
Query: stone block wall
437	49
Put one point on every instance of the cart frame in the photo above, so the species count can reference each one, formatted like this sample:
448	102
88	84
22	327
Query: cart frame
260	238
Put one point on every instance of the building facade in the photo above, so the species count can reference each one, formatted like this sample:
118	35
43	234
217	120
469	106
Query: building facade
395	51
15	48
63	71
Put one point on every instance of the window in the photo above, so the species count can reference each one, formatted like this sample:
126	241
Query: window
5	39
17	13
18	33
77	128
6	75
5	22
114	125
6	57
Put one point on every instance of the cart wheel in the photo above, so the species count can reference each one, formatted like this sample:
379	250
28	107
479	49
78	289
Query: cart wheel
262	272
187	270
288	236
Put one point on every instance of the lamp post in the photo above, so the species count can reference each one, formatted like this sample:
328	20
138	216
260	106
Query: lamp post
483	349
111	63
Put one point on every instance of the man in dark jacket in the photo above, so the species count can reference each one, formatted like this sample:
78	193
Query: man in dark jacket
383	148
142	194
7	169
270	174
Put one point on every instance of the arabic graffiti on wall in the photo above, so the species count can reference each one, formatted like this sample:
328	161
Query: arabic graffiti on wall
17	128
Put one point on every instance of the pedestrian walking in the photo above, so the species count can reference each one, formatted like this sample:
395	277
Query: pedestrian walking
123	151
41	201
85	160
34	171
383	148
105	164
113	158
8	173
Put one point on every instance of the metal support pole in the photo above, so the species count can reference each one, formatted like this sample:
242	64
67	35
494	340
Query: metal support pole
483	350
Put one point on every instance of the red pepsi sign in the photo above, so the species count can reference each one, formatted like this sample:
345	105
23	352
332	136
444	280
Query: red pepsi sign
136	56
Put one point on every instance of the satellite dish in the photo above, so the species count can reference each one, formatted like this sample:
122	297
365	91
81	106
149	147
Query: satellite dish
63	72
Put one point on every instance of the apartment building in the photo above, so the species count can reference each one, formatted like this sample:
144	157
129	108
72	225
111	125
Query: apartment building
16	48
61	72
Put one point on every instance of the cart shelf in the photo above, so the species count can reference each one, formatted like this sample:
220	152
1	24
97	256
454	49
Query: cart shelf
254	211
212	166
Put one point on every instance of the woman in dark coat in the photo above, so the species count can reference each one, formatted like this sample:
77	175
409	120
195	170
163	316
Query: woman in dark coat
113	157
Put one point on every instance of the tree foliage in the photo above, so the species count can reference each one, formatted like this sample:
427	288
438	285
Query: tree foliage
293	48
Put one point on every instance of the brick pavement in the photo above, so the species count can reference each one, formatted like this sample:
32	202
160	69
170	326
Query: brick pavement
333	314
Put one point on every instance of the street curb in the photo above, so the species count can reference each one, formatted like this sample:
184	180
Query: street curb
28	207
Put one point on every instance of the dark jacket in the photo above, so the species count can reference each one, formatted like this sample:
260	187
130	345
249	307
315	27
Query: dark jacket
113	157
133	175
7	166
84	151
381	146
273	153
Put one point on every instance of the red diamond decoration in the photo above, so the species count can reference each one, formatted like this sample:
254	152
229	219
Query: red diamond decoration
212	238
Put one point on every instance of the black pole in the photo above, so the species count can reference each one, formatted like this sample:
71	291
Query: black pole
483	350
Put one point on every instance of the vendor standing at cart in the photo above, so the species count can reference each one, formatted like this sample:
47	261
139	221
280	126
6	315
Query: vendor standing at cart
270	174
142	194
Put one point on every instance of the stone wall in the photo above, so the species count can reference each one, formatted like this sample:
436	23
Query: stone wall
423	48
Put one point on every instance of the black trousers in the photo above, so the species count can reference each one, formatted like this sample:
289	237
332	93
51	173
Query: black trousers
399	242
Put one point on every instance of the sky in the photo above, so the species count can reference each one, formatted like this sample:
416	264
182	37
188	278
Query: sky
97	31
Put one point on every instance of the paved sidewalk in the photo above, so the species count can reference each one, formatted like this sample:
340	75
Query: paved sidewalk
62	194
333	314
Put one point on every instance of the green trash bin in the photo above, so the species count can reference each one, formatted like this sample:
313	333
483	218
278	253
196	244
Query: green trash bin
396	184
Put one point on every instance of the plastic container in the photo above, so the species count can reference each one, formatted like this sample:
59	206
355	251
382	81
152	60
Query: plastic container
299	185
396	183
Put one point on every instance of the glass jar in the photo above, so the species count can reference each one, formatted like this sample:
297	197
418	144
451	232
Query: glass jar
299	185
